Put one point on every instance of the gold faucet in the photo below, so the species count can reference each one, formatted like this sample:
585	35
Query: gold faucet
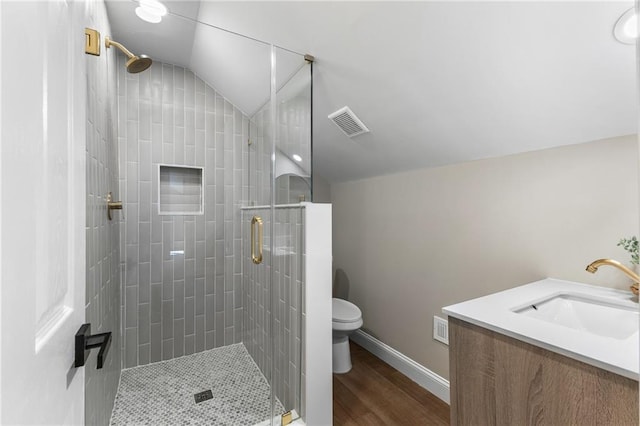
593	267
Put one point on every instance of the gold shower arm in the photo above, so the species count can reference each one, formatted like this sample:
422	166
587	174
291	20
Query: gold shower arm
108	42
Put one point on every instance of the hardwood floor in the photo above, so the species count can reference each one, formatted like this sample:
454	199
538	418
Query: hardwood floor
374	393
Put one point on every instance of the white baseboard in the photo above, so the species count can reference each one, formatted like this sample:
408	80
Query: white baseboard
418	373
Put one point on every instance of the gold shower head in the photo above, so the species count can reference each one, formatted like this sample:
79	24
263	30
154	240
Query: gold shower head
135	64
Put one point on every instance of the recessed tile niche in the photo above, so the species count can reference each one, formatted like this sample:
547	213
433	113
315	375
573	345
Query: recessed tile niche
180	190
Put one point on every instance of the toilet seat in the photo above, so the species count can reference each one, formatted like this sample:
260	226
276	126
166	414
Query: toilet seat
345	312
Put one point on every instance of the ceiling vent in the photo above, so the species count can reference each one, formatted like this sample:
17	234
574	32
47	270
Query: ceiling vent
347	121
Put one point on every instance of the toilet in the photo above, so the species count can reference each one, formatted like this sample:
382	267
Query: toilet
347	318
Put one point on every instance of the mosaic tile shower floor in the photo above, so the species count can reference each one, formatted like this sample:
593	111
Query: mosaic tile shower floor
163	393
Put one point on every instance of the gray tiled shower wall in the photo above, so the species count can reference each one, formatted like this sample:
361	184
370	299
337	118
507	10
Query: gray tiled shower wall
103	272
179	304
260	157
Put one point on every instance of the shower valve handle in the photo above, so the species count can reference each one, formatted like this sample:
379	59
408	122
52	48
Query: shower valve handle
112	205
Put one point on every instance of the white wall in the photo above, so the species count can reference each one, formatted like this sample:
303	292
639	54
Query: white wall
414	242
321	190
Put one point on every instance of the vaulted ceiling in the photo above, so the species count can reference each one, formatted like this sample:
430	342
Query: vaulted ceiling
436	82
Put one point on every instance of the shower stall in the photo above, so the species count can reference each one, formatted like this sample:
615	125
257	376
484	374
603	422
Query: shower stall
220	247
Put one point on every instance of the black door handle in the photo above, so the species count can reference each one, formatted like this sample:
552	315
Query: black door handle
85	342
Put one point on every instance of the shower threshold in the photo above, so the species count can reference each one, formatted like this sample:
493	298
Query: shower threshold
162	393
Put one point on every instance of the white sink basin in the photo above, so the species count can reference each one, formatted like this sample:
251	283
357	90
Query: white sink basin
577	311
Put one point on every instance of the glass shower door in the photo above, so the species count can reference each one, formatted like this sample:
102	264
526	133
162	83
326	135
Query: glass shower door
273	243
292	187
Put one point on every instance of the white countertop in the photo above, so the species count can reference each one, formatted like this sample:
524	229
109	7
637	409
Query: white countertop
496	312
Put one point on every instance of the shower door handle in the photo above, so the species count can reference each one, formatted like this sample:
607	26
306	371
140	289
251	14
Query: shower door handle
257	259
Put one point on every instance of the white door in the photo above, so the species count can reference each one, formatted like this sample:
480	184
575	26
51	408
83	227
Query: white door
42	210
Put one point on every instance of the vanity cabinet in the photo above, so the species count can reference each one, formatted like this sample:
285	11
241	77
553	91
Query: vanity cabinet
499	380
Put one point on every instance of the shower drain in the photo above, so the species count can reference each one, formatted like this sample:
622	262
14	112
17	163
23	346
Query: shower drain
203	396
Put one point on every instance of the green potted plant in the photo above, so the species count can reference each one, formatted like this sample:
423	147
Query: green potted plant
631	245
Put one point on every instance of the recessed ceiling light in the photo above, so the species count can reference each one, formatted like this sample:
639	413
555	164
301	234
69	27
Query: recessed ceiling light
626	29
297	157
146	16
151	11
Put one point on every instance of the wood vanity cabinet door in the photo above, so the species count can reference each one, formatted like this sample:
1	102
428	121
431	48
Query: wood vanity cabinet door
472	377
498	380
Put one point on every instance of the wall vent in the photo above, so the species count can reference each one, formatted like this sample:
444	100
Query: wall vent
441	330
347	121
